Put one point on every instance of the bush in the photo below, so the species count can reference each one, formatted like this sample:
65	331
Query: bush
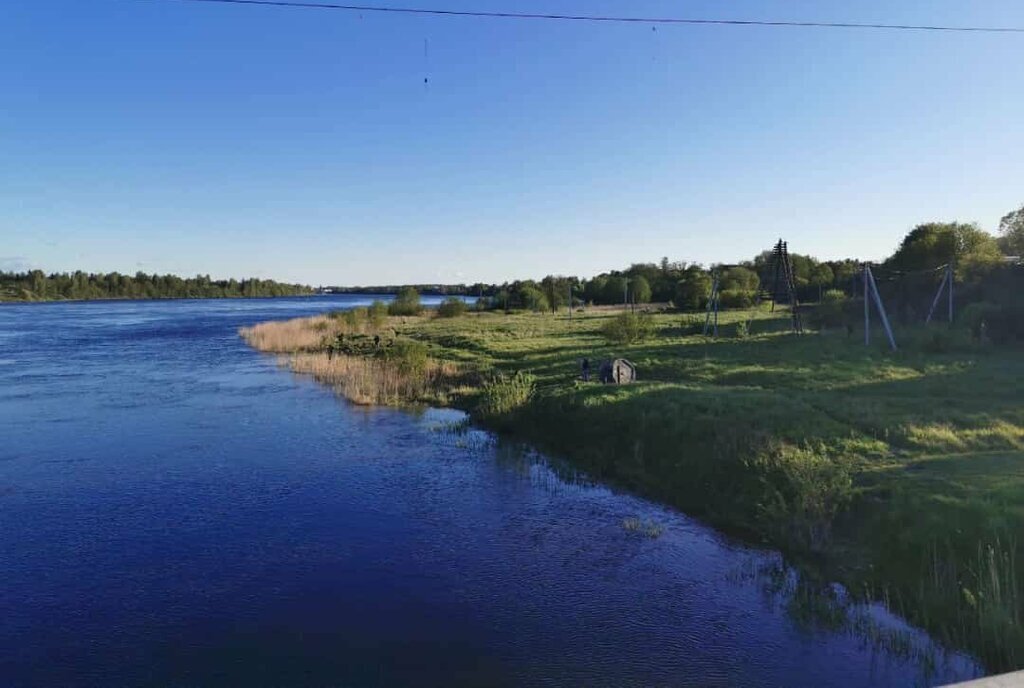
407	302
801	492
737	298
408	356
352	318
378	313
452	307
505	393
628	328
742	330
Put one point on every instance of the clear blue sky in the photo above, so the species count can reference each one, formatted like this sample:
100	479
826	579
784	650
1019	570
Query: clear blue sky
304	145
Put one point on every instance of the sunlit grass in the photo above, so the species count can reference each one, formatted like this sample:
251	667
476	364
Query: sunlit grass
889	469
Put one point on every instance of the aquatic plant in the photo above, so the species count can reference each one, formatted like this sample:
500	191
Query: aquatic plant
647	528
503	394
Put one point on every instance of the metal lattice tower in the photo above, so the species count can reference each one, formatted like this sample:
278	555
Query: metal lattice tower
784	283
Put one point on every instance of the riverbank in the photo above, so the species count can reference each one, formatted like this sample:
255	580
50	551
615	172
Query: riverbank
902	475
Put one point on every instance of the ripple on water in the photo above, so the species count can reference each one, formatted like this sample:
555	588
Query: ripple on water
189	513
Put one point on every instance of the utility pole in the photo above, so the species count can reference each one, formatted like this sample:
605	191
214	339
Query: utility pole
881	310
712	307
950	277
867	308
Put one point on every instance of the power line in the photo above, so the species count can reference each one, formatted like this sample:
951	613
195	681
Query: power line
613	19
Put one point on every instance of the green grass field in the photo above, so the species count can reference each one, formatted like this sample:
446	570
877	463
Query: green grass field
902	474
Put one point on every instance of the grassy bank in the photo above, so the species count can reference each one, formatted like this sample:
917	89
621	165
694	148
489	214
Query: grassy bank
901	473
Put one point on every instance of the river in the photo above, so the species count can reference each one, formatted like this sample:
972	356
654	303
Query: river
178	509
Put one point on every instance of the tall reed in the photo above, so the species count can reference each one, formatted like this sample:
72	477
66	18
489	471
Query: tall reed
380	381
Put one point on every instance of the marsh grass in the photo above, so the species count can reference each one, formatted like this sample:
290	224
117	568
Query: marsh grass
402	373
298	334
380	381
645	527
504	394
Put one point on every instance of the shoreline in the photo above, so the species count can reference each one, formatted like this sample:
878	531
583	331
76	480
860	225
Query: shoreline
849	493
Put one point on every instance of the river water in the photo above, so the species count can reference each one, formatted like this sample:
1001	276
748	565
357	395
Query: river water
175	508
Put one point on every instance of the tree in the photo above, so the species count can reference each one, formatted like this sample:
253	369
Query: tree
933	244
533	298
556	290
740	279
407	302
614	290
1011	233
641	289
693	290
821	277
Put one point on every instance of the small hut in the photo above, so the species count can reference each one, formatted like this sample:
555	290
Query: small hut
617	372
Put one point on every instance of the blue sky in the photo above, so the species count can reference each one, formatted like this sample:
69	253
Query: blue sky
305	145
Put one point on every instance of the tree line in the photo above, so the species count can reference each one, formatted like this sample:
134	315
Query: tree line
984	265
36	285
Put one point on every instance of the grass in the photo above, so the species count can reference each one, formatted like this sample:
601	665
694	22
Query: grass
901	474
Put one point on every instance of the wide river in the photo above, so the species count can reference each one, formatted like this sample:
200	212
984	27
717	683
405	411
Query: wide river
176	508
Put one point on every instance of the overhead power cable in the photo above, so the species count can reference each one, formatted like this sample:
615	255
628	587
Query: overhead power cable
615	19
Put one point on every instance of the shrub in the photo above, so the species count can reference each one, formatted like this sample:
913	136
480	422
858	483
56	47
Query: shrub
378	314
452	307
802	491
354	317
407	302
409	357
628	328
742	330
737	298
505	393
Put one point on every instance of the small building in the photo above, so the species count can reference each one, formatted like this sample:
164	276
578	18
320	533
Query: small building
617	372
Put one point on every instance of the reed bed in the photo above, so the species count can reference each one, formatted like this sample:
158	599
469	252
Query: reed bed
288	336
380	381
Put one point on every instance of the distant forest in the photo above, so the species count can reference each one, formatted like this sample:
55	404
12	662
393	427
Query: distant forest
987	266
39	286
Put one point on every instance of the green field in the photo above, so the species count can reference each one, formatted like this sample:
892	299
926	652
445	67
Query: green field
902	474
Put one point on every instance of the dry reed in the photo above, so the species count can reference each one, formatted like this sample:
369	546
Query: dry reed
288	336
377	381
